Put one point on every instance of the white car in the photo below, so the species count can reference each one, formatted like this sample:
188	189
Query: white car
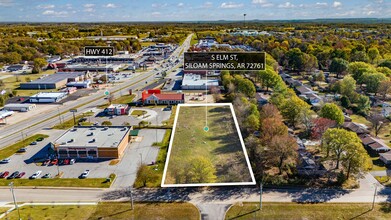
36	174
85	174
7	160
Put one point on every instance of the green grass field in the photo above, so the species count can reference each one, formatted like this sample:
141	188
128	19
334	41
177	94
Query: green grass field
323	211
125	99
114	210
216	153
59	182
10	150
138	113
70	123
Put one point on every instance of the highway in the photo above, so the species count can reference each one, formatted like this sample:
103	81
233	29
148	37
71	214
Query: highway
13	133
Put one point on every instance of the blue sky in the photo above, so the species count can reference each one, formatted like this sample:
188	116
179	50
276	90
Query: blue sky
187	10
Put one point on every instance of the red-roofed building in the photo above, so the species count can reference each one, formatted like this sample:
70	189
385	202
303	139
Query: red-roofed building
155	96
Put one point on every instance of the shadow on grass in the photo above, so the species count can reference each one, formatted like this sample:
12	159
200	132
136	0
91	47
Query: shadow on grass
244	214
359	215
114	214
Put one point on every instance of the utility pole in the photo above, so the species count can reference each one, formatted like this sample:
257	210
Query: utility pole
260	196
244	20
59	115
13	196
141	157
74	119
374	197
131	197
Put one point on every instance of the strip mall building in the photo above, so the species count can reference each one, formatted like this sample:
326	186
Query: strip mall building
93	142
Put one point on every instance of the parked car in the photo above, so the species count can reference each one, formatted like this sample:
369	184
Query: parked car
72	161
46	176
6	160
36	174
85	174
66	161
60	162
54	162
21	174
13	175
33	143
40	139
4	174
46	162
22	150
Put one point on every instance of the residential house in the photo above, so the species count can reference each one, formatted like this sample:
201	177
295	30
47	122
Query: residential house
385	157
355	127
374	144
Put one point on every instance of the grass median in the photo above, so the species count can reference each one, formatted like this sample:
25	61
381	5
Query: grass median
322	211
61	182
113	210
70	123
10	150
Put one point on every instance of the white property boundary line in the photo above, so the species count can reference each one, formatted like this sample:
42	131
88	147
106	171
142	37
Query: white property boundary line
208	184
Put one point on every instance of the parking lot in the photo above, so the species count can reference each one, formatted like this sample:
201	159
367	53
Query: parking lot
126	169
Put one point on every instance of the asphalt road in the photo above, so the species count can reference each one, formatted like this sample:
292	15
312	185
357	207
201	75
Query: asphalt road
14	133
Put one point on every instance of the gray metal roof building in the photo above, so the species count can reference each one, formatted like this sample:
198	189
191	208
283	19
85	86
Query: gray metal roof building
53	81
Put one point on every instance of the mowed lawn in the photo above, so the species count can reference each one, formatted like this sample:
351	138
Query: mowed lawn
220	144
322	211
117	210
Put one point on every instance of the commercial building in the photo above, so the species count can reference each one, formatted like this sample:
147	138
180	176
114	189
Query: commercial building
117	109
93	142
124	58
79	85
54	81
17	67
19	107
47	97
193	81
93	68
155	96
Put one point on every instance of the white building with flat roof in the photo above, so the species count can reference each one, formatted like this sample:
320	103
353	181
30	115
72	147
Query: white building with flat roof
19	107
192	81
47	97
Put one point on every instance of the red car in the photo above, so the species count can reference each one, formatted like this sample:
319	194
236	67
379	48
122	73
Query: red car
21	174
66	161
5	174
54	162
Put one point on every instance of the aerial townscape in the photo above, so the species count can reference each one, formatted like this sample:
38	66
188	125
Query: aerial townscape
187	110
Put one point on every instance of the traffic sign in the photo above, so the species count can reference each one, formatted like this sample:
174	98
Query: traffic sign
107	92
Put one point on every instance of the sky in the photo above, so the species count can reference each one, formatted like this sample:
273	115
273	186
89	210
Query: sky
187	10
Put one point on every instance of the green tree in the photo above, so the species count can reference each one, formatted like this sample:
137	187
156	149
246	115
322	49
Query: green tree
372	81
355	158
386	63
336	141
338	66
356	69
293	108
333	112
268	78
145	175
39	63
373	53
201	170
281	148
363	104
347	87
245	86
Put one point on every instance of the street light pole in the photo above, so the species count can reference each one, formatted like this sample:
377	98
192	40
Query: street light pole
374	197
260	196
74	119
141	156
59	115
131	197
13	196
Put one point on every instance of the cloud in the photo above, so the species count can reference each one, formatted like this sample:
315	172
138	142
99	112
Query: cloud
207	5
230	5
55	13
262	3
89	7
6	3
45	6
157	5
110	5
156	14
337	4
321	4
180	4
286	5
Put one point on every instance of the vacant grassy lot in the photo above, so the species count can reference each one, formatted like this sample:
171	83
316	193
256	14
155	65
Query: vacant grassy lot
117	210
216	153
323	211
59	182
146	211
3	209
10	150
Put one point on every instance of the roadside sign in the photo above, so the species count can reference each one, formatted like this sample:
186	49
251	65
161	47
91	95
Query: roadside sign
73	110
98	51
107	92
